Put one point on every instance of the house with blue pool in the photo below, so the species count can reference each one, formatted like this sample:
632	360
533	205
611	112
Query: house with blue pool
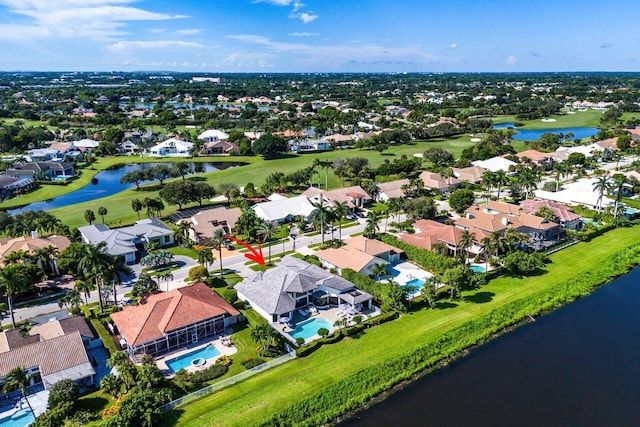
295	285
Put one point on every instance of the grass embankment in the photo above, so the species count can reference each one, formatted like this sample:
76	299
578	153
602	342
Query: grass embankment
264	396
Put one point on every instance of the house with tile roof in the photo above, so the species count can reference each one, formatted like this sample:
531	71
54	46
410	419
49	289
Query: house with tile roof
472	174
11	186
31	244
542	160
435	181
389	190
430	233
165	322
564	215
205	222
50	352
354	196
359	254
127	242
294	284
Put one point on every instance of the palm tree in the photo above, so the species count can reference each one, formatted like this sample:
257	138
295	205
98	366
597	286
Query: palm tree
182	232
17	257
45	257
372	228
317	165
267	230
501	179
488	179
487	243
379	270
93	263
619	181
217	242
18	378
114	271
466	241
326	165
13	280
84	287
167	276
340	209
601	186
137	206
320	214
205	256
89	216
102	211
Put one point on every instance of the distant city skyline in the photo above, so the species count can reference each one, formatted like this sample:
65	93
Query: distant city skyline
225	36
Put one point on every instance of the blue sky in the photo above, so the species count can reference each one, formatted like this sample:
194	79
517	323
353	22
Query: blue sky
319	35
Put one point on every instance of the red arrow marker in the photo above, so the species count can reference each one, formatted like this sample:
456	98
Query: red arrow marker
255	256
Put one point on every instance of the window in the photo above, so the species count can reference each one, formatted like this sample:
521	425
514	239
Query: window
167	239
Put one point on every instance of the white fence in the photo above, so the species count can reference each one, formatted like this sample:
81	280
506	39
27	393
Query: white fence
229	381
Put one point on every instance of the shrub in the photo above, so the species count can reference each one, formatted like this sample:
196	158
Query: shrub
252	363
299	341
323	332
212	372
107	340
230	295
385	294
198	273
428	260
63	391
224	360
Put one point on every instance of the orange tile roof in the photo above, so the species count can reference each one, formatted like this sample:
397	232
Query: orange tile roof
163	312
30	244
346	257
370	246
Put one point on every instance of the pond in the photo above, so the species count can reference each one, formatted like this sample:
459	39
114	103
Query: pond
107	183
577	366
535	134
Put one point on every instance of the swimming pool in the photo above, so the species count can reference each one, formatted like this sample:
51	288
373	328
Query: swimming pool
416	283
21	418
309	328
590	221
208	352
477	268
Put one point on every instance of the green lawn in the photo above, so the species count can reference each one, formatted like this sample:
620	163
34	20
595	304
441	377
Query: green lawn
256	399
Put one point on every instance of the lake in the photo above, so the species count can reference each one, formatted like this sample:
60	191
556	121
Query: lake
577	366
106	183
535	134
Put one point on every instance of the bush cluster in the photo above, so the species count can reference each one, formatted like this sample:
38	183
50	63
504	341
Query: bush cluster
428	260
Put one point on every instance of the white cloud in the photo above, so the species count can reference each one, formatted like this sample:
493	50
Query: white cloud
512	60
297	6
125	45
304	34
187	32
306	17
93	19
276	2
453	46
341	54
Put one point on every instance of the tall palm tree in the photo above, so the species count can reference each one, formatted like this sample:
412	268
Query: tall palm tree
488	179
317	165
45	257
217	242
340	210
466	241
93	263
320	214
18	378
326	165
619	181
114	272
102	211
267	230
487	243
167	276
501	179
14	279
372	228
601	186
17	257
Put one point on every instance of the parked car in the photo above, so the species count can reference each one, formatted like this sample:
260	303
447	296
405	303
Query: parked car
229	246
361	215
350	216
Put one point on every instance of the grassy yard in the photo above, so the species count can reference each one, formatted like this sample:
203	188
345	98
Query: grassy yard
260	397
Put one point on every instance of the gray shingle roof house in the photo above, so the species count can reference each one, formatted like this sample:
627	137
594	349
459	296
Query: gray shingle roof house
126	241
294	284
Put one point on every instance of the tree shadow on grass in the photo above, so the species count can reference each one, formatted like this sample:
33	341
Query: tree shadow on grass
95	404
197	178
441	305
170	418
480	297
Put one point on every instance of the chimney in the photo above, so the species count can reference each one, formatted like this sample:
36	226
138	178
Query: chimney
34	234
505	221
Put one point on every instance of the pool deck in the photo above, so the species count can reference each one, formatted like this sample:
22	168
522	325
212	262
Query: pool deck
408	271
217	341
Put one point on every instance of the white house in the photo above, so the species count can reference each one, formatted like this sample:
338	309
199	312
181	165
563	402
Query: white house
580	192
302	145
495	164
283	210
213	135
86	144
172	148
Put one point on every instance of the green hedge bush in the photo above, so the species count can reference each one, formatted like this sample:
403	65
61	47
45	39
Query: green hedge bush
428	260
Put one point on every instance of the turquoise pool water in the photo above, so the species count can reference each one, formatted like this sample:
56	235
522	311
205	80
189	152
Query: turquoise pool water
185	360
21	418
477	268
309	328
590	221
416	283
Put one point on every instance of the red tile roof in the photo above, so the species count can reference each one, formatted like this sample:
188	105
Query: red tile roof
167	311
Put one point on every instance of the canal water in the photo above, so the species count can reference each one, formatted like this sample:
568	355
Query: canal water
578	366
107	183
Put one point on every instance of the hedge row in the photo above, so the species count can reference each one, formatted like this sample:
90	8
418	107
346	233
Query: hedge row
107	339
428	260
388	296
352	392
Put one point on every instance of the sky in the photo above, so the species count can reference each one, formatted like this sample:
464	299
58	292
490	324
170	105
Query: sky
222	36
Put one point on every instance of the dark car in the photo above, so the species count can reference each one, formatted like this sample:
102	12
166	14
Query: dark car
360	215
229	246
